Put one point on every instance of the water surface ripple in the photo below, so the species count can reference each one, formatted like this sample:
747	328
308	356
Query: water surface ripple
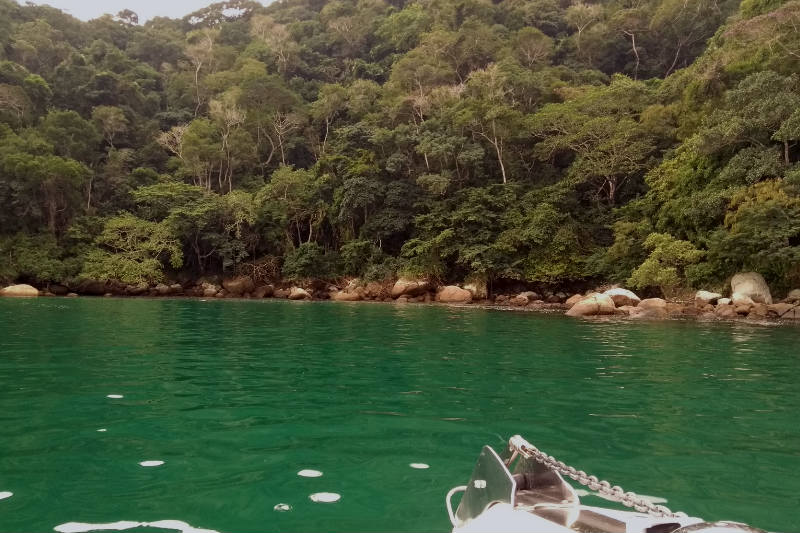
237	397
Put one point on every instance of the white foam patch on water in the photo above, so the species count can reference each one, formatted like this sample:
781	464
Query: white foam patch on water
102	430
282	507
419	466
151	463
309	473
175	525
5	494
80	527
325	497
114	396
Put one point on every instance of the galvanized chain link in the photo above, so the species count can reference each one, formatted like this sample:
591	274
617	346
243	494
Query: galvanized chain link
615	493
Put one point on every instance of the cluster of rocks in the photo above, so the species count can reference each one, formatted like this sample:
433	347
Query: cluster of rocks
532	300
750	298
406	290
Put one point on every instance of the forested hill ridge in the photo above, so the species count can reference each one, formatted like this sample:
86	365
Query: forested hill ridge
649	142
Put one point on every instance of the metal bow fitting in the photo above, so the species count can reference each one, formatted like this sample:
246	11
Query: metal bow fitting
518	445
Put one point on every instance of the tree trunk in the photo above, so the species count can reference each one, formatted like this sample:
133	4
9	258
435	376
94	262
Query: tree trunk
498	148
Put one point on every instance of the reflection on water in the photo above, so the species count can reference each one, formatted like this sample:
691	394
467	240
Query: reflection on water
235	400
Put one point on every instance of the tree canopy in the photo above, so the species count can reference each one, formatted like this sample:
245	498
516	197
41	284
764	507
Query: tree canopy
551	141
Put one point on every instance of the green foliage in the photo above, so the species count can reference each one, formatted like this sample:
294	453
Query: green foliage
32	257
308	260
539	140
665	266
762	233
132	250
628	251
751	8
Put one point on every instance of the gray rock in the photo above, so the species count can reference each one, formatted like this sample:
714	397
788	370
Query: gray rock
706	297
622	297
297	293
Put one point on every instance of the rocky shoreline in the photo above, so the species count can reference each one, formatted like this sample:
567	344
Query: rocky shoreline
750	298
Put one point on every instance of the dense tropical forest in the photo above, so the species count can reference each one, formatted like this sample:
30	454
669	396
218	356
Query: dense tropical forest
651	142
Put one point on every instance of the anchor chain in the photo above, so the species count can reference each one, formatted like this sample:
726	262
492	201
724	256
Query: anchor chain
519	445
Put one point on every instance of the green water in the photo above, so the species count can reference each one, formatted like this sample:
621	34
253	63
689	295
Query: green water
237	396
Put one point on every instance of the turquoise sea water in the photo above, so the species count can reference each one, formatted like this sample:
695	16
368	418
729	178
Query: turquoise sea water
236	397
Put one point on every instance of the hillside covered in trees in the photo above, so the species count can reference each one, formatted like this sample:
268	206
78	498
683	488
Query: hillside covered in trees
652	142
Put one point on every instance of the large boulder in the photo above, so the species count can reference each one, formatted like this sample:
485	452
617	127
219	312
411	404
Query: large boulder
478	289
596	304
409	287
758	311
726	311
239	285
162	289
702	298
20	291
572	300
264	291
136	290
623	297
653	303
58	289
530	295
296	293
344	296
649	313
92	287
741	299
377	290
519	300
454	294
784	310
753	285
